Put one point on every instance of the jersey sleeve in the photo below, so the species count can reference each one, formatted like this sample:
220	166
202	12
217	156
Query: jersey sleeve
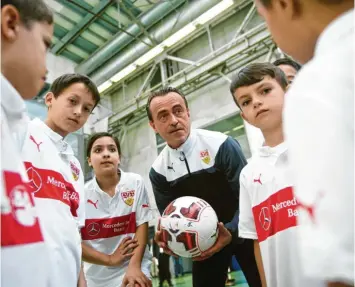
81	208
321	146
161	190
143	212
230	160
246	219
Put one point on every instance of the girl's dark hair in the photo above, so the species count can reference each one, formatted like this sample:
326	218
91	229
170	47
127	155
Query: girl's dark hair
96	136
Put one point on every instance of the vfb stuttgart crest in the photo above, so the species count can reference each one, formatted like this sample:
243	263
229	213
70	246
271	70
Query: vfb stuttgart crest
75	171
205	156
128	197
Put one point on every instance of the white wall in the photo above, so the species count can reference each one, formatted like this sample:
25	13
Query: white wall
58	66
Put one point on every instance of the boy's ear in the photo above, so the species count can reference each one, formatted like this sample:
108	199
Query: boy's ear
48	99
10	23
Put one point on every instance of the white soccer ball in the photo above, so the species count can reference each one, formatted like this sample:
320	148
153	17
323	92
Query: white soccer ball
189	226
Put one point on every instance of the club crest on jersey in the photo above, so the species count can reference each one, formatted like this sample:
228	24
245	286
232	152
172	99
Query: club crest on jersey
75	171
205	156
128	197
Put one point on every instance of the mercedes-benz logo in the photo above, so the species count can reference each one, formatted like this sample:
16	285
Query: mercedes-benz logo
93	229
265	218
35	179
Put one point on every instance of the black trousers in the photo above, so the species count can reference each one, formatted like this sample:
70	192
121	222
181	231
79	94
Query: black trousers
213	271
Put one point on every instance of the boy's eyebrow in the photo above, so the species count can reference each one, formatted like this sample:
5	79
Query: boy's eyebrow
261	85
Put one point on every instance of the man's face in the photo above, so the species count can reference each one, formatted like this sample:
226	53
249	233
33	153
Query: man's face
289	71
70	110
23	52
171	119
288	25
261	103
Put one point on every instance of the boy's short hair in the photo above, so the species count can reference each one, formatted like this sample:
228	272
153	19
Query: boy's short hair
160	93
288	62
254	73
66	80
31	11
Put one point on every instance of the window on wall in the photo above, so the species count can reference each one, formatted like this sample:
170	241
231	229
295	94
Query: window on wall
232	126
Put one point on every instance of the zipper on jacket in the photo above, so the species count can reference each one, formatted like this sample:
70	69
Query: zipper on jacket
183	158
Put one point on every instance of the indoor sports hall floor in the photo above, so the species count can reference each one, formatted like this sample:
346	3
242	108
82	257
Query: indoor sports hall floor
186	280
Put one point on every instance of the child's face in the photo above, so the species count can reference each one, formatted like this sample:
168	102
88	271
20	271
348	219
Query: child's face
71	109
261	103
23	52
289	71
288	24
104	157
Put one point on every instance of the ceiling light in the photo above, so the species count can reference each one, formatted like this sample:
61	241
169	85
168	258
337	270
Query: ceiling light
214	11
104	86
123	73
182	33
149	55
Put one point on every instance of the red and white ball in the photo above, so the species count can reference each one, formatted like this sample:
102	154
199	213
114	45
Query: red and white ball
189	226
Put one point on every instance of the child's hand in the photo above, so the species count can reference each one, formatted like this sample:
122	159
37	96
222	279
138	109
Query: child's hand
134	277
123	251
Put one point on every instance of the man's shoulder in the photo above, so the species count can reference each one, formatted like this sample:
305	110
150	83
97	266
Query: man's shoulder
210	135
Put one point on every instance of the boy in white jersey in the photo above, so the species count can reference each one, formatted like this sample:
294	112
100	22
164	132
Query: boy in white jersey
55	173
319	128
117	209
26	25
267	205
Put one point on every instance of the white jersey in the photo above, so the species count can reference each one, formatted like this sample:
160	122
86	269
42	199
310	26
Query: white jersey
109	220
319	127
58	186
24	256
268	214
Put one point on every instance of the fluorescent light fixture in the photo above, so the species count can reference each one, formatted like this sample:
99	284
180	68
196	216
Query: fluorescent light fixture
123	73
182	33
214	11
149	55
104	86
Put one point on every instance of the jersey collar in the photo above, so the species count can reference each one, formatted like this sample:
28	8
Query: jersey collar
59	141
266	151
335	32
187	146
122	181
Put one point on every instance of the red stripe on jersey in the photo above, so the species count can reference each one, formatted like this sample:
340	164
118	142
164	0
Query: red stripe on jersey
19	222
275	214
51	184
108	227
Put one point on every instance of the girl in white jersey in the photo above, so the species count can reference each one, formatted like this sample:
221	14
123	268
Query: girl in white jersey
117	210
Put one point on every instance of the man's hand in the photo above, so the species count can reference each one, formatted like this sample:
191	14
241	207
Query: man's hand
224	238
135	277
158	239
124	251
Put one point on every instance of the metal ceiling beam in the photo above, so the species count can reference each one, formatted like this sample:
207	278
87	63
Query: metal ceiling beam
161	31
136	21
85	22
121	40
237	48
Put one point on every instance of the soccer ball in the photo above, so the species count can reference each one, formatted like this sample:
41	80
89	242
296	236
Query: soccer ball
189	226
